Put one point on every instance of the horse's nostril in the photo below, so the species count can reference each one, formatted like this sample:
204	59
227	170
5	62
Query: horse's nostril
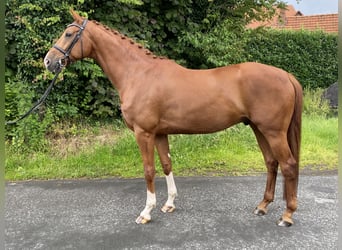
47	62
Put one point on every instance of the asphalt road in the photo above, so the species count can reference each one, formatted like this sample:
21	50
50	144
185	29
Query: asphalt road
212	213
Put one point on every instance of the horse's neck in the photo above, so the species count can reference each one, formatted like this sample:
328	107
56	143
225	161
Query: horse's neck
119	57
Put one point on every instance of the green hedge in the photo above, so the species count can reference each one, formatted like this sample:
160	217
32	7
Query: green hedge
310	56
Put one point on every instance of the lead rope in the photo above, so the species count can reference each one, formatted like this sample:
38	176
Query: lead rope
38	103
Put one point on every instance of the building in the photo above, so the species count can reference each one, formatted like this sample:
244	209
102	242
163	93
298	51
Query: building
295	20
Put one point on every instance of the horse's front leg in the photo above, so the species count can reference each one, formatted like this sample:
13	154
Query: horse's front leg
162	145
146	145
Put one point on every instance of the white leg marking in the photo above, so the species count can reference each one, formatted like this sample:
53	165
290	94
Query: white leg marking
145	215
172	193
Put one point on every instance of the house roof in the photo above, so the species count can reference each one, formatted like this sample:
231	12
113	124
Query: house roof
327	23
295	20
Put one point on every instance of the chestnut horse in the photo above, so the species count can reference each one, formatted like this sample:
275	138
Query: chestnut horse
159	97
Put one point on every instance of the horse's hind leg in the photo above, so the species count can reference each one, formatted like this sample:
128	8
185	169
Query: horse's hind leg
272	169
162	145
289	168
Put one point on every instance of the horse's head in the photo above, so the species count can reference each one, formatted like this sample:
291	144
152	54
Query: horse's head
71	46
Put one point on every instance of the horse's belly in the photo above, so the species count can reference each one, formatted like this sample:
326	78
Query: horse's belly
198	123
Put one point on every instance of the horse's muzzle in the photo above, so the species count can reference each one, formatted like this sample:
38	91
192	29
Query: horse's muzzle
54	65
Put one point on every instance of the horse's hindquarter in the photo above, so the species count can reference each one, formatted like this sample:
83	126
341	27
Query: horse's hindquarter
269	95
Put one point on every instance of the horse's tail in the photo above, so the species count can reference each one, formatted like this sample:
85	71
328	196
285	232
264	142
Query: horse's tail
294	130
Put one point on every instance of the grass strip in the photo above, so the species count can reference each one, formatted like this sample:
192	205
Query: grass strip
115	153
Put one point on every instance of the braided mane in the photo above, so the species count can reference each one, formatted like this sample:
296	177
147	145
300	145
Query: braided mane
131	41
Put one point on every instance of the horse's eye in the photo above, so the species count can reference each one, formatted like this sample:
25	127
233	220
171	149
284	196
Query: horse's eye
68	34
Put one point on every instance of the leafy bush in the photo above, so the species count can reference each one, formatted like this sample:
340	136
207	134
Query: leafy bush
310	56
315	105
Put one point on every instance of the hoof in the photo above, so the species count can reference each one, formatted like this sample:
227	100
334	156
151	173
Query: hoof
259	212
283	223
142	220
168	209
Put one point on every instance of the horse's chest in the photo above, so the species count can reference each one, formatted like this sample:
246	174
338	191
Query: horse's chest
128	117
142	116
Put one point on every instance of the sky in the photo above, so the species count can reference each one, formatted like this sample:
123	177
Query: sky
314	7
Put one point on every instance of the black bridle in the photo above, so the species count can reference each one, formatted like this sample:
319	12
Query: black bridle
64	61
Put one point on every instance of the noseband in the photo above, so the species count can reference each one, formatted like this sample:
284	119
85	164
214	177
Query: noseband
63	61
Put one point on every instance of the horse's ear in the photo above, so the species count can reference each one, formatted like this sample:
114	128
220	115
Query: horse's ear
76	16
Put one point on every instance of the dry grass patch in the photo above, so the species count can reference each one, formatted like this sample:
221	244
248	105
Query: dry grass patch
70	139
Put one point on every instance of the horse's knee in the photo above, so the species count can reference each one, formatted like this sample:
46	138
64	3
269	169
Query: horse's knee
289	173
290	169
272	165
150	172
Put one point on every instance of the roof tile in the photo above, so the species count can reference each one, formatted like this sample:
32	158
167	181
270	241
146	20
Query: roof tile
295	20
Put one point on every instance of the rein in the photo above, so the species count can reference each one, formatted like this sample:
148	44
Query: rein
38	103
62	63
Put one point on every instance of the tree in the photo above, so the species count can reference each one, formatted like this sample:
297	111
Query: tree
211	13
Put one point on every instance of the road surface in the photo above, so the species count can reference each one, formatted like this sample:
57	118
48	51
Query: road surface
211	213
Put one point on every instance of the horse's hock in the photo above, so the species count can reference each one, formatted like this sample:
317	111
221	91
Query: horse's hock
331	94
